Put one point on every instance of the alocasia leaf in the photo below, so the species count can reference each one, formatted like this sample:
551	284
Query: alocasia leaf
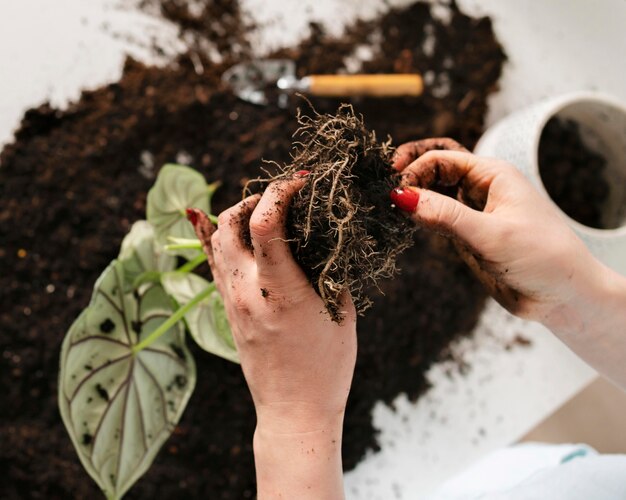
177	188
141	255
207	321
119	406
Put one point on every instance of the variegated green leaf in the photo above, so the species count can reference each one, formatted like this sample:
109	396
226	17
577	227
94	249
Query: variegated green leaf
177	188
117	405
141	255
207	321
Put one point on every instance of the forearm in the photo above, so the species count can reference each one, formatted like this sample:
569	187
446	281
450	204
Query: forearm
303	465
593	323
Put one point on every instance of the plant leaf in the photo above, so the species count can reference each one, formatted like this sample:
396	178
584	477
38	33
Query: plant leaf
119	407
140	255
207	321
177	188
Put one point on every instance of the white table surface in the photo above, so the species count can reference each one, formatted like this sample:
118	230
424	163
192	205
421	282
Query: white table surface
53	49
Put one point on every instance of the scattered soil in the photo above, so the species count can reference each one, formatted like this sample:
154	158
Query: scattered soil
342	231
573	174
518	341
73	181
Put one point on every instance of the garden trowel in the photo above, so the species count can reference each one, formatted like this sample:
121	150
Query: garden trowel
272	80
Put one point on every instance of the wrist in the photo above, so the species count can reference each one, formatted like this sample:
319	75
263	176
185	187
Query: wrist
596	291
298	418
294	463
593	323
326	438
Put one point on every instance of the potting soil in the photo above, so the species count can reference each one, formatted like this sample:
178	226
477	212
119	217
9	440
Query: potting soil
73	181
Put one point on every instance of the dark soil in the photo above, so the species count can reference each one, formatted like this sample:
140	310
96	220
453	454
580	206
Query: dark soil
73	181
573	174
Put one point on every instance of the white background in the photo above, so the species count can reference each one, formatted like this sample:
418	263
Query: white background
53	49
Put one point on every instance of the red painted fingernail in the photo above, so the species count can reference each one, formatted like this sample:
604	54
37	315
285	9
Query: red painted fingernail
302	173
405	199
192	216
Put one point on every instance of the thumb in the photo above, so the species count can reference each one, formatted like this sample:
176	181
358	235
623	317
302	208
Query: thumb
438	212
204	229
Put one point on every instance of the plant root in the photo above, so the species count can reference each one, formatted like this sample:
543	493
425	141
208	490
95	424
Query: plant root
342	228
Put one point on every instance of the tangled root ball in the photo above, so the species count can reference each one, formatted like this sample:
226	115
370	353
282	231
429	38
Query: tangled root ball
341	226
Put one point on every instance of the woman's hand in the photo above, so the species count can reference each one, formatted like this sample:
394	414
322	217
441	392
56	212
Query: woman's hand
519	246
512	238
297	362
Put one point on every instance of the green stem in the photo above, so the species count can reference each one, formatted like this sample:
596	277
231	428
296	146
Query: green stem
192	264
213	219
183	246
173	319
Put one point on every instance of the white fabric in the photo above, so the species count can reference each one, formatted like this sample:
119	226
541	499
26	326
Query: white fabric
533	471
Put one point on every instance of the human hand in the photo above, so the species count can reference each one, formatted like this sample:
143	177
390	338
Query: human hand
512	237
298	363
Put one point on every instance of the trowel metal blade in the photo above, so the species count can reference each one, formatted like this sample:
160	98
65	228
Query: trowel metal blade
251	81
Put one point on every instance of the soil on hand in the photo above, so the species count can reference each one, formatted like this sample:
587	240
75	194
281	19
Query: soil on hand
73	181
342	231
573	174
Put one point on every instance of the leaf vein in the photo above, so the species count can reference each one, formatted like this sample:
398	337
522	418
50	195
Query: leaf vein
156	383
129	379
106	411
98	337
93	372
168	354
122	302
141	419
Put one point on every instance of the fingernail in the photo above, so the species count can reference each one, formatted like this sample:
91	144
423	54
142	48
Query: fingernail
405	199
192	216
302	173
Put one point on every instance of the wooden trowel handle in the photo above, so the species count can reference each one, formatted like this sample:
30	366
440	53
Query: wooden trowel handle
366	85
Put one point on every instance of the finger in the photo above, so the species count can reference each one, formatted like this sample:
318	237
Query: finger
410	151
208	235
235	233
268	232
450	168
439	213
204	229
220	273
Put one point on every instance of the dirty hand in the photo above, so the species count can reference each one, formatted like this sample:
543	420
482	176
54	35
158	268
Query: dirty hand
298	364
511	236
520	248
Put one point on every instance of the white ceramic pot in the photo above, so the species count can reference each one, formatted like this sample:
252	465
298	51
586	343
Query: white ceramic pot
602	122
